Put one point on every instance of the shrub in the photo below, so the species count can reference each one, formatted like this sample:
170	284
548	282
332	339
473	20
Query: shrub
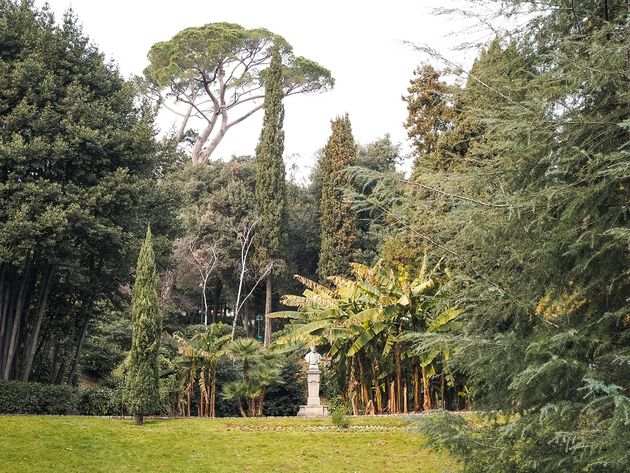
17	397
285	398
100	401
339	419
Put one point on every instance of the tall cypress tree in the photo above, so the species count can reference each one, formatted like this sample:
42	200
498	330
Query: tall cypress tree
141	394
270	174
338	222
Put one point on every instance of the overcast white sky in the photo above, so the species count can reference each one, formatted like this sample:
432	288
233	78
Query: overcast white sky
359	41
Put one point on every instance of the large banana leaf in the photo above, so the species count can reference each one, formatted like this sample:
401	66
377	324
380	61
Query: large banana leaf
365	337
441	321
285	314
372	314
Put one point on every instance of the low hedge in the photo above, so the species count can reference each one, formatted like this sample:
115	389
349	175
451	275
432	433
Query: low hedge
17	397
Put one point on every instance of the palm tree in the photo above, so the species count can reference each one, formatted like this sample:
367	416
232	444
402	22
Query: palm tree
247	351
236	391
198	359
262	376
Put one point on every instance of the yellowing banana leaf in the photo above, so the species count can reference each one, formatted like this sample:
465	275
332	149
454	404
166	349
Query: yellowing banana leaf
285	314
389	343
427	358
367	315
365	337
417	289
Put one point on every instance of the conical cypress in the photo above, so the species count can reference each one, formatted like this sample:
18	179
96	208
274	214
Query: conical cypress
270	175
141	394
338	221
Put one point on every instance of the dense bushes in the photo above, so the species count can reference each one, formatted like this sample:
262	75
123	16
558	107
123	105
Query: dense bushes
17	397
100	401
286	397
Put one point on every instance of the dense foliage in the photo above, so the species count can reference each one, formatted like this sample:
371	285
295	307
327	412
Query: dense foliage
18	397
270	180
142	392
367	326
525	196
77	184
217	72
338	225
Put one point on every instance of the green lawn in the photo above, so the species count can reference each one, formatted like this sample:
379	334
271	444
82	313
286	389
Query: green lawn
88	444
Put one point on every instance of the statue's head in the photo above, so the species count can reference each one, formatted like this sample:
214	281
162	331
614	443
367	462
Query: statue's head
312	349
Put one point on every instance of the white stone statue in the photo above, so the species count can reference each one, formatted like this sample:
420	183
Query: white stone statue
313	358
313	406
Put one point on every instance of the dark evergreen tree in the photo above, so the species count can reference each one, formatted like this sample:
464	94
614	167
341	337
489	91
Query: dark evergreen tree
338	221
78	173
270	180
142	390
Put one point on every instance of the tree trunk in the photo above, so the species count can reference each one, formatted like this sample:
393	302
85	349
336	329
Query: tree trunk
53	363
8	300
60	369
218	286
405	411
416	388
427	404
261	401
351	390
85	313
443	392
365	393
189	398
4	294
377	391
398	378
246	325
31	345
268	292
205	299
213	394
393	408
21	306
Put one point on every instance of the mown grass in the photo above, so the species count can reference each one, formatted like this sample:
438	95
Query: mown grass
89	444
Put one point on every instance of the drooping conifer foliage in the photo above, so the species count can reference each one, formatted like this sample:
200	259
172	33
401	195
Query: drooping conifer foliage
542	247
338	219
142	390
270	178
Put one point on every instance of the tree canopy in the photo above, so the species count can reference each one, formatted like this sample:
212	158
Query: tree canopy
337	218
217	72
77	185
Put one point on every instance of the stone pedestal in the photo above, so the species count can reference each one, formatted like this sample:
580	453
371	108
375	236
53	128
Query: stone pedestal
313	407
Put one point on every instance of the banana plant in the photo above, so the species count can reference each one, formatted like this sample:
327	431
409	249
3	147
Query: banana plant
363	323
